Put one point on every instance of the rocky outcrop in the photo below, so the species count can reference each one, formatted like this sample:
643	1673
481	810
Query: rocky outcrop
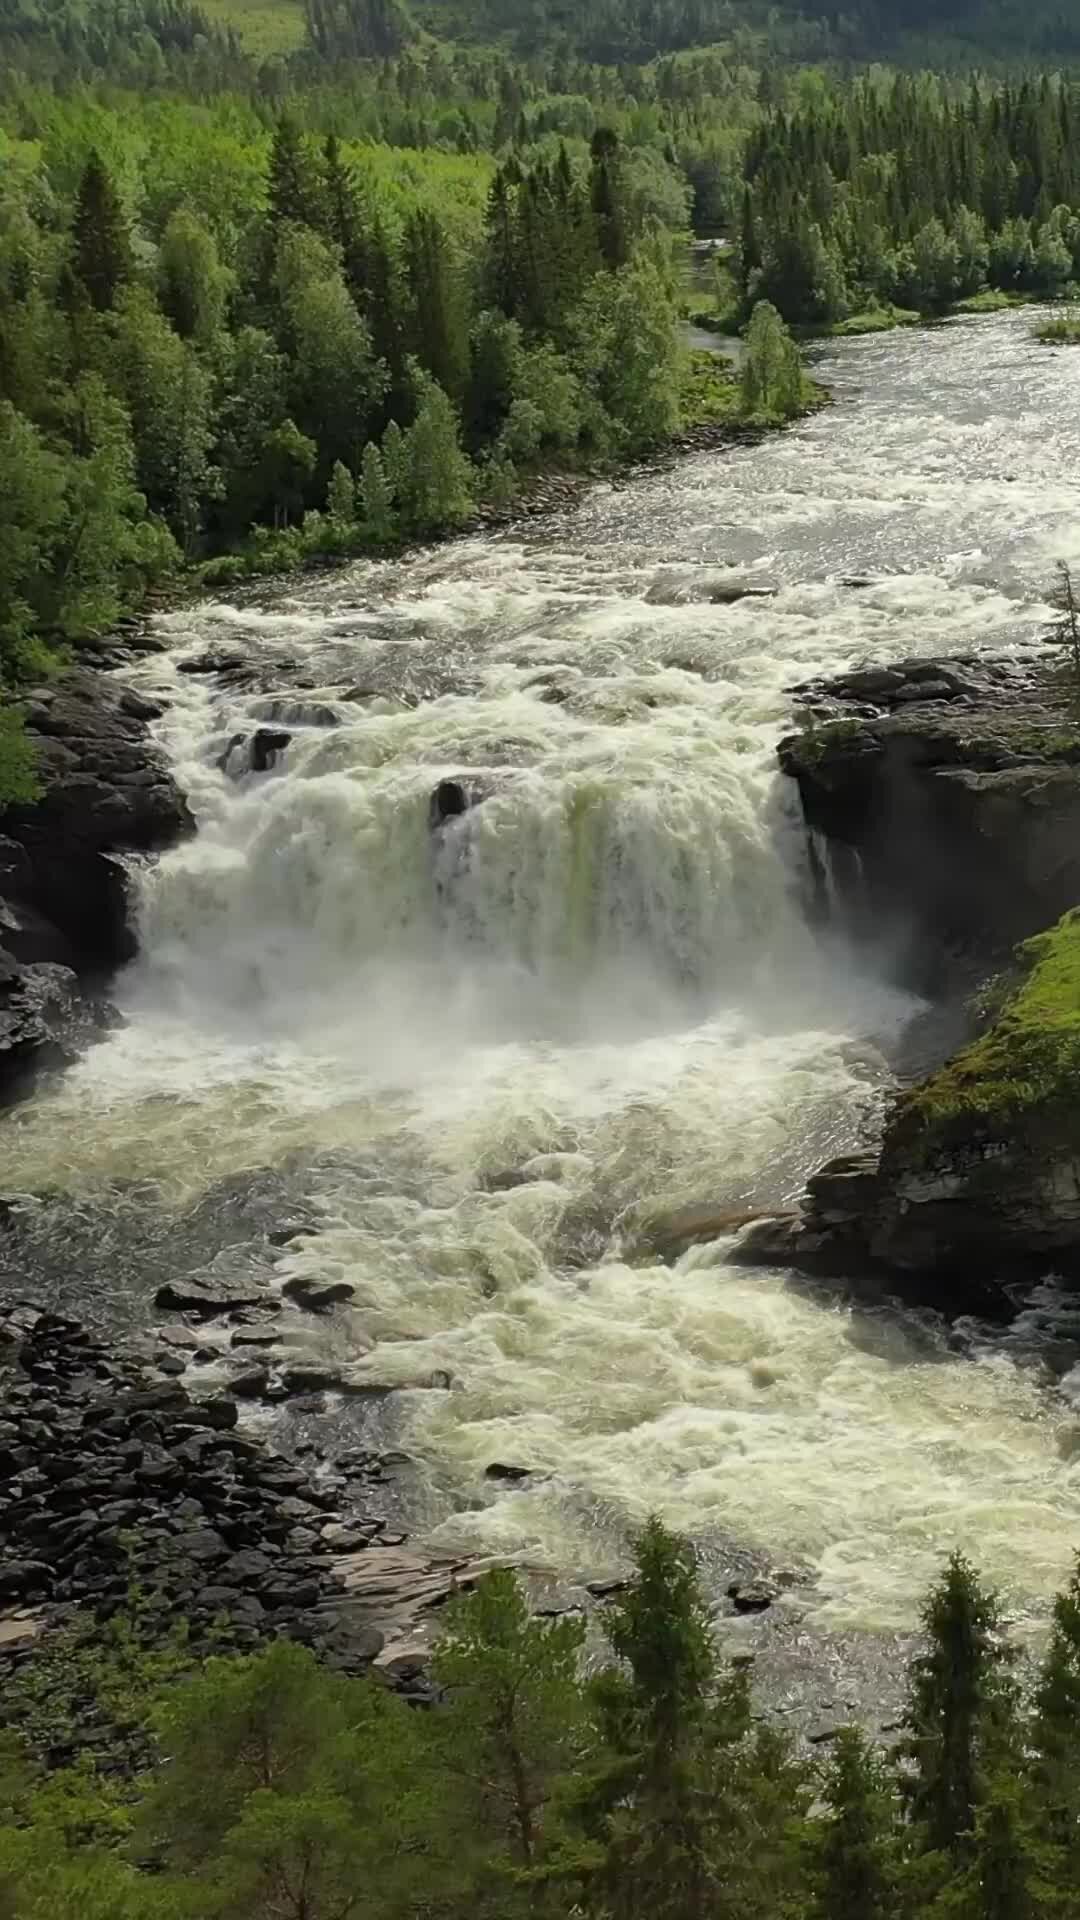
946	795
64	915
943	799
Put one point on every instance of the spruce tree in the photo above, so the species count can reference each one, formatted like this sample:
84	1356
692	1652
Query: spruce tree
102	244
375	497
852	1848
959	1710
1054	1736
609	212
439	331
341	496
293	184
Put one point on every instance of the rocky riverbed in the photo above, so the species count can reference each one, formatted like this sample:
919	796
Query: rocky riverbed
117	1477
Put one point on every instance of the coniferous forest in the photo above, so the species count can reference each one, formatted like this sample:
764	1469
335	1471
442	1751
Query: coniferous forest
619	1772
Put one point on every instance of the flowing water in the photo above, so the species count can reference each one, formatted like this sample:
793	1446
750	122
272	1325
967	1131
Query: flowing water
479	1061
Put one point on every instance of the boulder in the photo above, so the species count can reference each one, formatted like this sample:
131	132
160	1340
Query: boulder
948	808
46	1021
316	1295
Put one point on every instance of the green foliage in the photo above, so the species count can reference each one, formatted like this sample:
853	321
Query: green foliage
902	191
852	1851
433	480
774	386
1062	330
959	1710
516	1716
266	1787
18	780
1026	1063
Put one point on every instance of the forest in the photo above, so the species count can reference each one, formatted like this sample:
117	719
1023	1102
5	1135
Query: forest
557	1775
913	193
239	332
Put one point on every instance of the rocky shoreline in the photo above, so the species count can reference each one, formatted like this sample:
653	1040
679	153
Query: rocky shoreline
116	1478
942	800
108	797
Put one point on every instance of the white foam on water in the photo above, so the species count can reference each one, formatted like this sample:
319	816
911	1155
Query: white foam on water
594	998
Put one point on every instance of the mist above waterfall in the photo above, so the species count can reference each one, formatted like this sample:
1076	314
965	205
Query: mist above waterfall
490	1051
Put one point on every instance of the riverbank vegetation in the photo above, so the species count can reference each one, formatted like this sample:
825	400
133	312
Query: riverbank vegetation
911	192
233	339
639	1781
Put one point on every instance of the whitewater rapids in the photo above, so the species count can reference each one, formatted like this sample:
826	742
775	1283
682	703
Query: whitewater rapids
491	1056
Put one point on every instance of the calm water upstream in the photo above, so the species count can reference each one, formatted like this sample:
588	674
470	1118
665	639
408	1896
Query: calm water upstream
479	1061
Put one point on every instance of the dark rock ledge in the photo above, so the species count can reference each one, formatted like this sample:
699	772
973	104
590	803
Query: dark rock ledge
64	918
943	801
111	1475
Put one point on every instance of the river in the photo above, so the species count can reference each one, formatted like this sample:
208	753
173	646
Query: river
477	1063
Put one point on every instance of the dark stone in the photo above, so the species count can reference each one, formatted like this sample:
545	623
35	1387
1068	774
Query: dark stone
210	1295
202	1545
755	1598
308	1377
315	1295
499	1471
248	1569
266	744
23	1576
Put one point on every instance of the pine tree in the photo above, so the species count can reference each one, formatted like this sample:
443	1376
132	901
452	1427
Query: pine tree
293	184
515	1719
439	332
436	485
1054	1736
1002	1879
852	1863
375	497
103	259
341	496
959	1709
609	213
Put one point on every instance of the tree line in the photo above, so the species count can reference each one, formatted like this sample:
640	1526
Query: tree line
322	356
912	192
638	1780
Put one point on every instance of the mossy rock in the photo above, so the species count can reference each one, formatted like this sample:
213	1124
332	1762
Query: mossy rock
1024	1071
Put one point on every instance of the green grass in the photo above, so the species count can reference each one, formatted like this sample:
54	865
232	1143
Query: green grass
874	320
991	300
710	390
1063	332
266	27
1027	1065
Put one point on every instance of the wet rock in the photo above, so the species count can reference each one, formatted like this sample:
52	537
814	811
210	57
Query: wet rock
310	1377
755	1597
449	799
315	1295
341	1537
209	1295
64	912
46	1021
498	1470
951	814
213	661
220	1414
19	1577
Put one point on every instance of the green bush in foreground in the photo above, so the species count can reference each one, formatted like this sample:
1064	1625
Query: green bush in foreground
548	1783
